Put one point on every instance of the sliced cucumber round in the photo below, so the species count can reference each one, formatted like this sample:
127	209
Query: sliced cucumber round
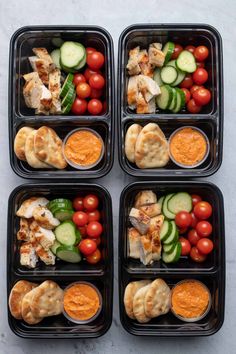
168	50
157	77
186	62
174	255
71	54
57	42
55	246
56	202
69	254
181	75
161	200
67	84
169	248
166	230
179	100
68	99
182	97
67	109
181	201
63	214
55	55
164	99
174	235
174	100
66	233
165	210
81	64
168	74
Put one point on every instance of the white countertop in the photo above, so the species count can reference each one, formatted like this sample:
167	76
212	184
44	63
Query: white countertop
115	16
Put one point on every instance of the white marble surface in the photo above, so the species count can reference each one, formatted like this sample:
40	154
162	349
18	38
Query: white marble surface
115	16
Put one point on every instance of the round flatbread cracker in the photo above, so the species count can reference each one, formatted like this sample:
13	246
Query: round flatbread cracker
138	305
31	158
19	290
26	312
157	299
130	291
19	142
130	141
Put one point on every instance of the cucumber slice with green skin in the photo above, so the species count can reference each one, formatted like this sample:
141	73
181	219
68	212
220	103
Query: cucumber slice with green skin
165	210
68	97
164	99
178	105
182	97
173	256
78	237
186	62
166	230
157	77
168	74
161	200
57	42
60	206
55	55
66	69
168	50
67	109
55	246
169	248
61	200
174	235
174	100
69	254
66	233
81	64
67	84
63	214
181	74
72	53
181	201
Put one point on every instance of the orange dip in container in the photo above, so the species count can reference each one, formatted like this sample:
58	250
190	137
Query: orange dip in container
83	148
190	299
82	302
188	146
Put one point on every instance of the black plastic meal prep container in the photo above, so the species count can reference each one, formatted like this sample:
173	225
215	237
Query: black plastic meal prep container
22	42
210	119
211	272
101	274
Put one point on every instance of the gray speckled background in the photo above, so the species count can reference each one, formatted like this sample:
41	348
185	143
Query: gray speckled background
115	16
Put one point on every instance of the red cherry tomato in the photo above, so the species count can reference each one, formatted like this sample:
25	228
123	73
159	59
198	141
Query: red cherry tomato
90	50
200	64
94	229
83	231
78	79
187	82
88	73
204	228
202	96
87	246
95	60
202	210
195	199
79	106
185	246
97	81
205	245
95	257
187	94
190	48
80	218
97	240
96	93
94	215
201	53
194	220
192	107
194	88
83	90
183	219
78	204
200	76
193	237
95	106
197	256
91	202
183	230
178	49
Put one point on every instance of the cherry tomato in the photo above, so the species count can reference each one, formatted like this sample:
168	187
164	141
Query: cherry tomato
183	219
200	64
91	202
187	94
80	218
90	50
178	49
192	107
204	228
87	246
83	231
195	199
185	246
200	76
194	88
78	78
97	81
205	245
183	230
95	60
95	106
190	48
83	90
97	240
88	73
187	82
94	229
202	210
79	106
78	204
202	96
201	53
95	93
194	220
193	237
95	257
196	255
94	215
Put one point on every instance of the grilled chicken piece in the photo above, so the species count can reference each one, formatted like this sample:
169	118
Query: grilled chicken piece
133	62
146	249
144	63
132	92
28	256
156	223
45	218
55	87
23	233
145	197
139	220
156	56
27	207
42	63
148	87
42	53
156	245
46	257
43	236
151	210
134	243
